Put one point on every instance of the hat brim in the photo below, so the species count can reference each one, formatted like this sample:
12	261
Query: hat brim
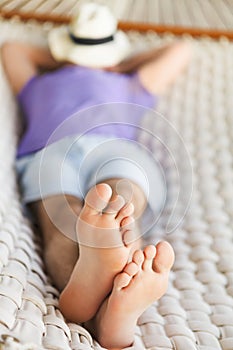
103	55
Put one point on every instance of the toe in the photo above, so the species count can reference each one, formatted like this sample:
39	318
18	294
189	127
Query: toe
127	224
128	234
97	198
125	211
149	254
115	204
164	258
138	257
122	280
129	237
131	269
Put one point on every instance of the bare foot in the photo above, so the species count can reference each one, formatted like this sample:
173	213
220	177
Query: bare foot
103	227
142	281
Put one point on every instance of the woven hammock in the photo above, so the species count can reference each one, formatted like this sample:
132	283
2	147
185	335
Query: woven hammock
197	310
197	18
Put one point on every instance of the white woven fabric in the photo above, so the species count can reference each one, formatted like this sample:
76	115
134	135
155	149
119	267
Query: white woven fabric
197	310
198	14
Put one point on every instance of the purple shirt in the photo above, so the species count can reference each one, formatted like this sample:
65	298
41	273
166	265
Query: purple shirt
48	100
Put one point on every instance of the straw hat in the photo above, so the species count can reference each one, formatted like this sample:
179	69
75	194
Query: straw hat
91	39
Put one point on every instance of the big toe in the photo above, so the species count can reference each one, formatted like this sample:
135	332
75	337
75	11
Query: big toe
97	198
164	258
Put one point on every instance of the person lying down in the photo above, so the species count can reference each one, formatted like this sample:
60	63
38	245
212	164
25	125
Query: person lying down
83	186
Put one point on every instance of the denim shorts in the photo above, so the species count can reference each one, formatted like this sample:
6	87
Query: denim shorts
74	164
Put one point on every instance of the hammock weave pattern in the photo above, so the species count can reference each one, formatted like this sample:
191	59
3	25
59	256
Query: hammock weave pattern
197	310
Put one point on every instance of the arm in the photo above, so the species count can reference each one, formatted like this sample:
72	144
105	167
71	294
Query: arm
133	63
23	61
158	68
160	73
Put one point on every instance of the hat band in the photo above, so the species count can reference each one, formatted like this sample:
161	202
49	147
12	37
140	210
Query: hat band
88	41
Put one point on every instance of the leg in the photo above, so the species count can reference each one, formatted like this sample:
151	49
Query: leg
159	73
141	282
60	252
